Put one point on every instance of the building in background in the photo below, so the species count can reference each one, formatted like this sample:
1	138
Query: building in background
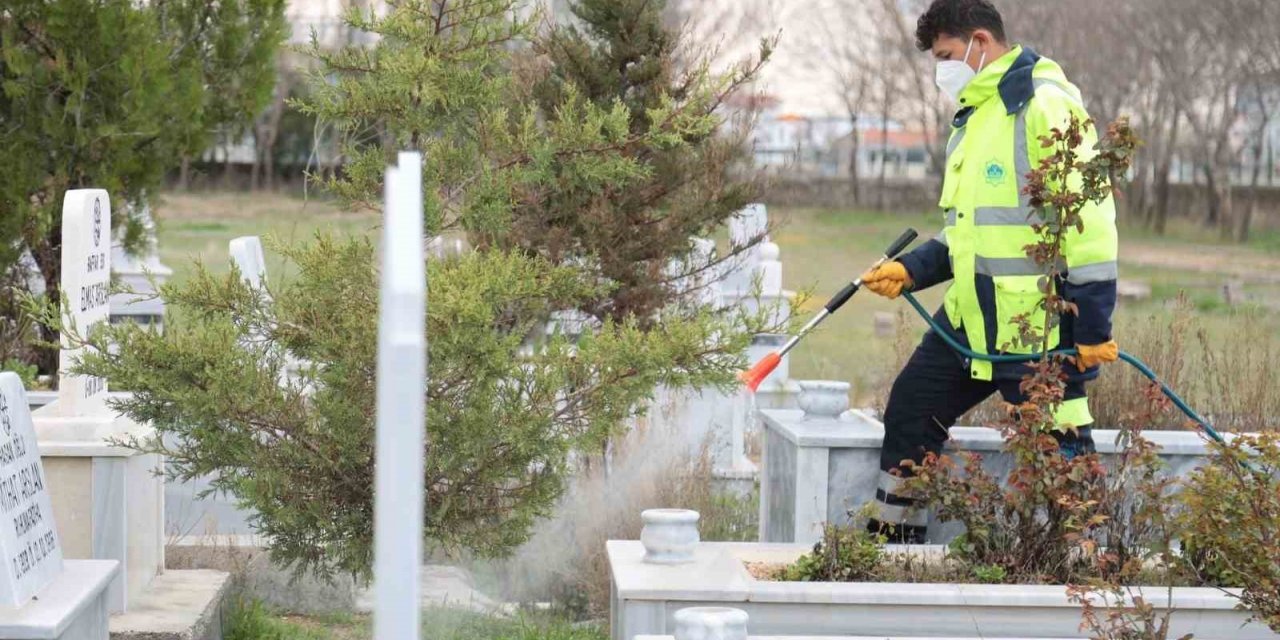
902	155
821	145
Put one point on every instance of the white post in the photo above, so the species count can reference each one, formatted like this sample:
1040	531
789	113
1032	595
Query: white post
246	252
402	346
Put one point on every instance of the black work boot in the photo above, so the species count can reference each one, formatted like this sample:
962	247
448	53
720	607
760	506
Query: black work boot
1077	442
896	533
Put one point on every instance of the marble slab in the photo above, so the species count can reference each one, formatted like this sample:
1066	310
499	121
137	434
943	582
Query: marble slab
108	501
72	607
818	470
645	597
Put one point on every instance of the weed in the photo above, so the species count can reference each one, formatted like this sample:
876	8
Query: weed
1231	522
989	574
844	554
451	624
249	620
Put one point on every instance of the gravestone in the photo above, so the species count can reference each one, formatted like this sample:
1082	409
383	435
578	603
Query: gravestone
745	227
41	596
886	324
30	555
726	424
86	284
246	252
139	274
822	469
107	501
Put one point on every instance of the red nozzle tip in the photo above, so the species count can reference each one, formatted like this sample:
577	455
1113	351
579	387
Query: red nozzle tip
755	375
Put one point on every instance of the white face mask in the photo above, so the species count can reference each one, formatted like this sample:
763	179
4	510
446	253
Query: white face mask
953	76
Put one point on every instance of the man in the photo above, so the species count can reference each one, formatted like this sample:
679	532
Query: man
1008	97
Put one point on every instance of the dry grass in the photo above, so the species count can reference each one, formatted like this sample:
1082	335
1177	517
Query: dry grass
247	205
1223	364
1238	377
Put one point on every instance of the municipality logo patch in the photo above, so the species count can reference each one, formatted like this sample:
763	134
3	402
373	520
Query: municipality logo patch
995	173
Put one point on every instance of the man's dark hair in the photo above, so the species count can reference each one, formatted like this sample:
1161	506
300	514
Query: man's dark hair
959	19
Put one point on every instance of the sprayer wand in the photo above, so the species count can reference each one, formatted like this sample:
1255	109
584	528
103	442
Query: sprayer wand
756	374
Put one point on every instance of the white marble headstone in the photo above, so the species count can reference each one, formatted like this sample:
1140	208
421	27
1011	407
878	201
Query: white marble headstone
744	227
748	224
86	283
246	251
30	553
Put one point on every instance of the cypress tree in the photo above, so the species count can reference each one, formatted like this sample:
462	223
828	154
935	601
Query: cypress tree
620	52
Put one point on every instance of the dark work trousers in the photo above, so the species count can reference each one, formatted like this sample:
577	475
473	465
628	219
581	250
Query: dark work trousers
930	394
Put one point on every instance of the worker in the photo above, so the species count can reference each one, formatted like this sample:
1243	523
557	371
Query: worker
1007	98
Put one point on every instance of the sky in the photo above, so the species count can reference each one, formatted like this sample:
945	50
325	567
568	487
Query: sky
790	74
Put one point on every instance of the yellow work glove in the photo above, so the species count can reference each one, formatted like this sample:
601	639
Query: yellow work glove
887	279
1092	355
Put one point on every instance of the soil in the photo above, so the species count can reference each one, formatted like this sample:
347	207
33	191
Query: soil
765	570
1245	264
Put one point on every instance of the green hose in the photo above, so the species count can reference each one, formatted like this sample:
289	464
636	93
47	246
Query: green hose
1137	364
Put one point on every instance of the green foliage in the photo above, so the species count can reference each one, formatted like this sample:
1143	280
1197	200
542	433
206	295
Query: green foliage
618	57
844	554
111	94
501	420
26	372
989	574
1232	519
250	620
552	150
452	624
17	329
507	405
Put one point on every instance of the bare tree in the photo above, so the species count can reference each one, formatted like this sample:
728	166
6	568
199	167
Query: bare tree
266	128
843	54
1200	59
1261	96
920	101
726	29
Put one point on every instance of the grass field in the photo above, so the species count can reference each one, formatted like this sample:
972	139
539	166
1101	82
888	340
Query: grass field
198	226
821	250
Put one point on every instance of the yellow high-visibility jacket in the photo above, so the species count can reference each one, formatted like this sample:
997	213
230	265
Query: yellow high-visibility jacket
994	144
